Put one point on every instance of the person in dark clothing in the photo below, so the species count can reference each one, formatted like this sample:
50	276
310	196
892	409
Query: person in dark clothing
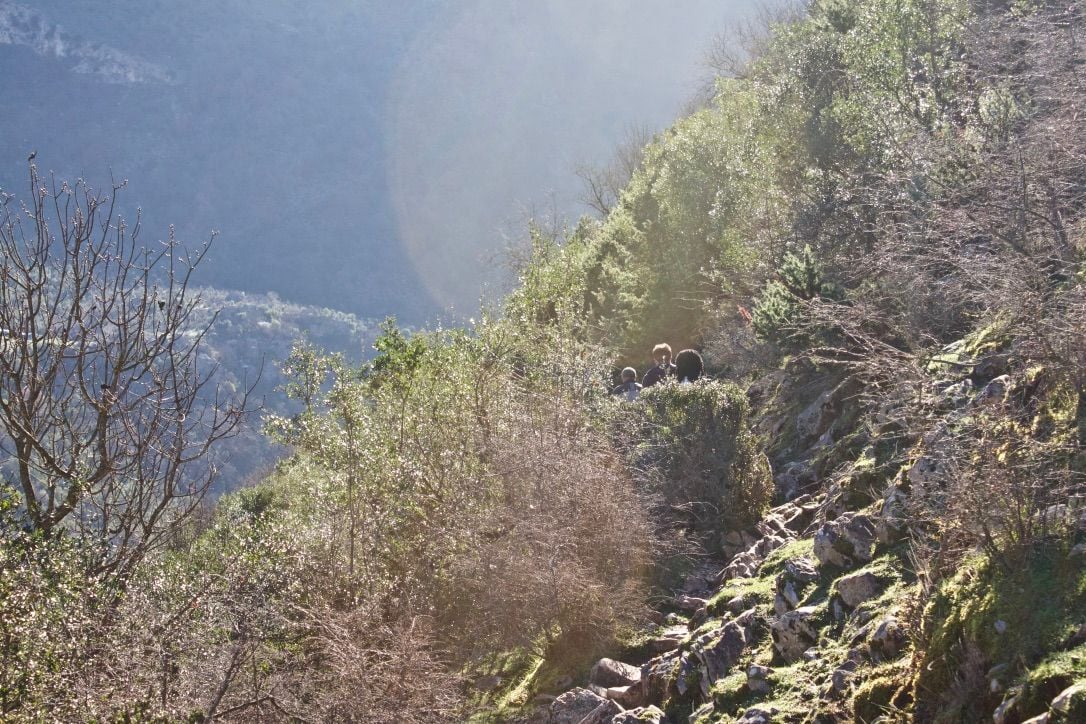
661	353
629	387
688	365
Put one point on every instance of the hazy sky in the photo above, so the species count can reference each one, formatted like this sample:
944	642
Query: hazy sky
367	155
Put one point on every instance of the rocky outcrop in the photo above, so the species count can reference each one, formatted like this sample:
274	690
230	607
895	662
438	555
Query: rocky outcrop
845	541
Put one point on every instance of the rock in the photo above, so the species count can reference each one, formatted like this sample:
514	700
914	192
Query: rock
794	632
889	638
603	714
705	710
1000	627
640	715
628	697
667	640
846	541
1004	712
816	417
926	471
756	715
1070	699
737	604
574	705
891	525
793	479
994	393
1039	719
656	675
856	588
758	679
689	604
991	365
952	395
720	655
798	573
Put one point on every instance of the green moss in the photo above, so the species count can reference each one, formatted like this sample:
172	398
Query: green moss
884	691
1051	676
1040	604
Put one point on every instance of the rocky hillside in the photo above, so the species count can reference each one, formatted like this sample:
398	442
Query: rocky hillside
828	609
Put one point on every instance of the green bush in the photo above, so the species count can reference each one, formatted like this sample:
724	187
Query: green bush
692	441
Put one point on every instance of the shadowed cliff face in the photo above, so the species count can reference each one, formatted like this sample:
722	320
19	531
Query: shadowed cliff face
365	156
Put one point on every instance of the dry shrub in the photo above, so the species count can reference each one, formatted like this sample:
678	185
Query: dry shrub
565	548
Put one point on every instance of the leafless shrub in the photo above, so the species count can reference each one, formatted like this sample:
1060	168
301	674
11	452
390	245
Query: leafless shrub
564	551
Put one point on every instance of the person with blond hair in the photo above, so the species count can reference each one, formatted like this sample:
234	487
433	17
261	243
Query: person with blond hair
661	354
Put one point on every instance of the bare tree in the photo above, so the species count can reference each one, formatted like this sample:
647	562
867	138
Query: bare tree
603	185
107	416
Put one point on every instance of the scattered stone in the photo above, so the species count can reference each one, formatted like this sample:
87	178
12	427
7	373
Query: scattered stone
926	471
889	639
737	604
755	715
1004	712
640	715
846	541
698	618
758	678
1000	627
573	706
656	675
856	588
794	632
952	395
993	393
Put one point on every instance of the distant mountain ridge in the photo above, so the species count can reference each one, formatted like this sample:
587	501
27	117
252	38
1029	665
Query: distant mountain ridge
21	25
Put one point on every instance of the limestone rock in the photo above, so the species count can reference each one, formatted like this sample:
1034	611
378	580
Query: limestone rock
718	658
794	478
627	697
794	632
1071	700
994	393
757	715
667	640
798	573
856	588
891	525
603	714
758	678
926	471
846	541
889	639
574	705
816	417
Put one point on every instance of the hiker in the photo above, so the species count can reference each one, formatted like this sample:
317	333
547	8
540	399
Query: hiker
629	387
688	366
661	353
